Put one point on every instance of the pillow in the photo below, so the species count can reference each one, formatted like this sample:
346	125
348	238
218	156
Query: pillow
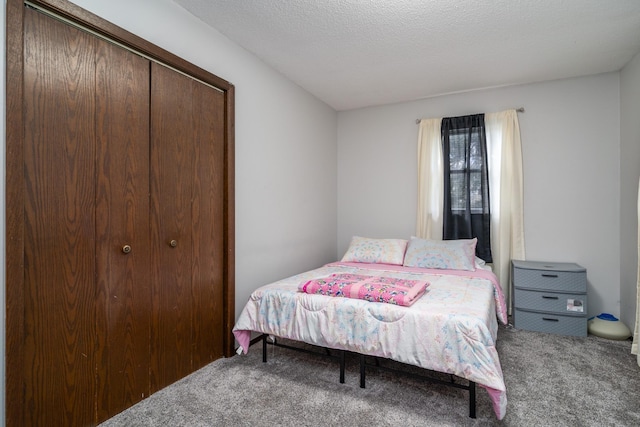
442	254
482	265
375	251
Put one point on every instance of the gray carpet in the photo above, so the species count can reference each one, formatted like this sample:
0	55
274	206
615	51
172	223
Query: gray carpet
551	381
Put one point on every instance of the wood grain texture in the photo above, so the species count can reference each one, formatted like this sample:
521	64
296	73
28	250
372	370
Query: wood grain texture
229	222
208	225
172	166
59	271
122	218
14	213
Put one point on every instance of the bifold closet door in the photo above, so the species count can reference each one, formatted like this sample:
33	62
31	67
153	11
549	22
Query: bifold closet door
123	243
124	225
60	229
87	245
187	155
208	226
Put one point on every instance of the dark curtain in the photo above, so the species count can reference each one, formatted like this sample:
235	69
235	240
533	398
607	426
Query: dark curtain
466	182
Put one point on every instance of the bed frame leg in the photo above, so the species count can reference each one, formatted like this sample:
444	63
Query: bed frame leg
472	399
264	348
342	363
362	371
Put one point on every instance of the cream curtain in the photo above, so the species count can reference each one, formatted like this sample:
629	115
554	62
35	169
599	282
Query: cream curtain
504	150
636	338
506	193
430	180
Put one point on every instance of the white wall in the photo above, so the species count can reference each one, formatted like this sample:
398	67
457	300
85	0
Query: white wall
285	147
629	174
570	137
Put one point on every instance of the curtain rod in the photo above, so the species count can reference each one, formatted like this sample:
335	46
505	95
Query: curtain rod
519	110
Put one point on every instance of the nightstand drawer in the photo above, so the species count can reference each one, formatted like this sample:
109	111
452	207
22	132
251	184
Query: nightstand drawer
550	323
551	302
554	280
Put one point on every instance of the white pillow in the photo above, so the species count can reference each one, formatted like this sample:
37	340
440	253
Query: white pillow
442	254
375	251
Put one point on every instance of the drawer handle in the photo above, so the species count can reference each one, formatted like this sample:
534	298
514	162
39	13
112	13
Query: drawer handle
548	297
549	319
549	275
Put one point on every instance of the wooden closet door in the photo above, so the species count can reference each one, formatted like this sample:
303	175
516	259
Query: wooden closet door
208	225
122	229
90	329
187	183
59	234
172	165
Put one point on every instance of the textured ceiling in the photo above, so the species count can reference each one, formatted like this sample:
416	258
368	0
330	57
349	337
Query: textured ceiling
357	53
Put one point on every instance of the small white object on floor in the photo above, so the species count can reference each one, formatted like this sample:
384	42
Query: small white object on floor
608	326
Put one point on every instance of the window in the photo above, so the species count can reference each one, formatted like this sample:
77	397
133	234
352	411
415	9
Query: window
504	160
466	212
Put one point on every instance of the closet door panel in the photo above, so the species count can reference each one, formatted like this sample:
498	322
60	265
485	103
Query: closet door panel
59	240
171	175
122	229
208	225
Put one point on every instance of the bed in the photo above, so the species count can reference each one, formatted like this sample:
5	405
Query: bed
452	328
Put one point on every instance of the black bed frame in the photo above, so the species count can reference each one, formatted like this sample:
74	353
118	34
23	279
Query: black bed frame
340	356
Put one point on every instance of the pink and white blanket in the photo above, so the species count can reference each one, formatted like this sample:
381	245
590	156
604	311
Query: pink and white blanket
391	290
452	328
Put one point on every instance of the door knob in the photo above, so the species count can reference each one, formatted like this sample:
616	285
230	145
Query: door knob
173	243
126	249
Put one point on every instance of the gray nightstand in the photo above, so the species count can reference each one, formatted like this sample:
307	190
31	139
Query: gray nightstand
550	297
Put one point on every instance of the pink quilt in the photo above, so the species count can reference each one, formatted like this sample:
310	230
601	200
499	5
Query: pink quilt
369	288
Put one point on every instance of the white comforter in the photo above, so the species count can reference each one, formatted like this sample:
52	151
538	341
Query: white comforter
452	328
